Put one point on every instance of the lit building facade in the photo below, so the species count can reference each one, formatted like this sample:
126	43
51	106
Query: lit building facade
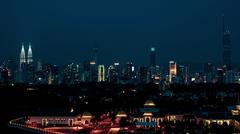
113	73
45	121
101	73
172	70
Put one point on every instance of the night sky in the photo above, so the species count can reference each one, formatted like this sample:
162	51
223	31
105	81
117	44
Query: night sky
62	31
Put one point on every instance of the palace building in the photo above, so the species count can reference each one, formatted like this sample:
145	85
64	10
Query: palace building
45	121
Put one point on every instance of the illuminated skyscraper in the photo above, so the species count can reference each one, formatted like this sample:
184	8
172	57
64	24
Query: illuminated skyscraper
182	74
30	57
226	47
101	73
172	70
22	57
152	57
113	73
129	71
29	66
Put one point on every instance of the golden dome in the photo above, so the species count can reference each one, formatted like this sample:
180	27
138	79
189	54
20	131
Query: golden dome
121	114
149	103
86	114
147	114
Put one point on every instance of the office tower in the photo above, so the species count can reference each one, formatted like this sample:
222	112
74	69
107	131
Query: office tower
101	73
182	74
220	75
226	40
129	71
50	74
152	57
21	75
172	70
22	57
68	74
30	67
143	74
113	73
85	76
30	57
209	72
93	71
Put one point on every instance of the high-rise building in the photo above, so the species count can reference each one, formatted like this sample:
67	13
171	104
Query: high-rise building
22	57
113	73
30	56
129	71
182	74
21	75
209	73
152	57
143	74
172	70
93	71
30	67
101	73
226	40
220	75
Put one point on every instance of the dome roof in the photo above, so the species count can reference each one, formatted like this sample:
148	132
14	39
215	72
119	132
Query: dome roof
147	114
86	114
121	114
149	103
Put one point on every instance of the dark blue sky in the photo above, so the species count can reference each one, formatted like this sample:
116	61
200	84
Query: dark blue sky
67	30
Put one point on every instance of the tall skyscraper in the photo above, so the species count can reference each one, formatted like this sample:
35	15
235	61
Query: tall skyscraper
143	74
21	75
95	54
30	67
30	57
101	73
22	57
226	40
182	74
209	72
113	73
129	71
152	57
172	70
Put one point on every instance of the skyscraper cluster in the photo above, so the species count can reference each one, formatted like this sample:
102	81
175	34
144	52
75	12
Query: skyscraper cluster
92	71
25	72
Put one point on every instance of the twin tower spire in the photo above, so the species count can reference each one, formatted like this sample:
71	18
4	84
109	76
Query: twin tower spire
23	55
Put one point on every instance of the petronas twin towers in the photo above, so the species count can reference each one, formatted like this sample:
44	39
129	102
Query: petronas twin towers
23	59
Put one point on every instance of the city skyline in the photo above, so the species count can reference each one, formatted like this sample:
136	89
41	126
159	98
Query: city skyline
123	34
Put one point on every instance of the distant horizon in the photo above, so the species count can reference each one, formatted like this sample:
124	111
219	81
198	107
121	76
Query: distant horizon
180	30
